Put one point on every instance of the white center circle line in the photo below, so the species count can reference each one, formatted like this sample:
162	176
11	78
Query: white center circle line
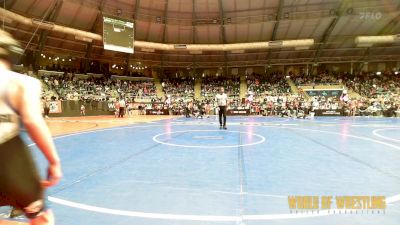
376	133
262	139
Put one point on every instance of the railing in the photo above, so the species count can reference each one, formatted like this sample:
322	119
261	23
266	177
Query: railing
320	84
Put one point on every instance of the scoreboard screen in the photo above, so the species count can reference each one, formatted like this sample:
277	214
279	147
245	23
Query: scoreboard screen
118	34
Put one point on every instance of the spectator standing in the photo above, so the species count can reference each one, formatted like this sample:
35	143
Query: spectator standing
46	107
83	110
117	108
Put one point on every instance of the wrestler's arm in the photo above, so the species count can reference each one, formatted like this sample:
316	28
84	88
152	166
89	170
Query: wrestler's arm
25	98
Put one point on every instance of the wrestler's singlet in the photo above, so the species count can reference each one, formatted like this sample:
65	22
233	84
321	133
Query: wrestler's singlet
19	179
9	123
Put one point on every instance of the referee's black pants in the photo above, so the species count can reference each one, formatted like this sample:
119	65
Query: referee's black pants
121	112
222	115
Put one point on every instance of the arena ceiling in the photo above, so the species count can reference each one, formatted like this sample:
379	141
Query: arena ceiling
333	24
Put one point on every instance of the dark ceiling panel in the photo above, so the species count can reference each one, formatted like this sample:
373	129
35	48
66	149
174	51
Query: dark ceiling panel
243	21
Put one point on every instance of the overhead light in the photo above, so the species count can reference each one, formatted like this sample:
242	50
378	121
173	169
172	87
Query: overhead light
396	72
376	39
226	47
378	73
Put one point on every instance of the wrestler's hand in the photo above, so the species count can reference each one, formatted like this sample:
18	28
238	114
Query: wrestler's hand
54	175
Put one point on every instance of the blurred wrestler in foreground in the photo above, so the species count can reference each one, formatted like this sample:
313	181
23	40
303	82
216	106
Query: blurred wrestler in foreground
20	184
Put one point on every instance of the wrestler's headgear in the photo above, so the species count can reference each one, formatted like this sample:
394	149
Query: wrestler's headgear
10	49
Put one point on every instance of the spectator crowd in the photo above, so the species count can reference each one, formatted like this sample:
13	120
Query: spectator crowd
372	94
98	89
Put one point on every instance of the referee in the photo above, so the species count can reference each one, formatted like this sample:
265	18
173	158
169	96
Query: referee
122	105
222	101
